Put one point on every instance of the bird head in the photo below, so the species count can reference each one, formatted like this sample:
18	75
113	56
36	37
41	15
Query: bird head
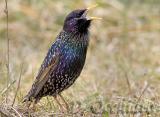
77	21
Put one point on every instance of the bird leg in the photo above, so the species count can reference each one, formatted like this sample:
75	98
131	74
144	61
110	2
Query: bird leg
60	105
66	104
34	105
28	104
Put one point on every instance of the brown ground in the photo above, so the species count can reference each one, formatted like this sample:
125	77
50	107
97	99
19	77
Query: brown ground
122	70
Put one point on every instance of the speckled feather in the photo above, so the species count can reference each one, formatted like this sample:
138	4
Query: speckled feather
72	53
62	64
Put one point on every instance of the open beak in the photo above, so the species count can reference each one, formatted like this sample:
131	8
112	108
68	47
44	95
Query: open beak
91	18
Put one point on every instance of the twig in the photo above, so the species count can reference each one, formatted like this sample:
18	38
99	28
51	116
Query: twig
16	112
7	37
145	88
9	85
126	76
127	79
128	82
18	85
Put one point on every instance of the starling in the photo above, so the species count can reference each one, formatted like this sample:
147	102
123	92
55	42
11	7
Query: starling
65	58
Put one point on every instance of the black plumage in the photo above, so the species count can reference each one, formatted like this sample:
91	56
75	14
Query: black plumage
65	58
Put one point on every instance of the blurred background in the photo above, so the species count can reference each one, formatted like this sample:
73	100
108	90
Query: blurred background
123	59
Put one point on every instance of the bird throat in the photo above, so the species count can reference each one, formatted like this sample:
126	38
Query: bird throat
74	38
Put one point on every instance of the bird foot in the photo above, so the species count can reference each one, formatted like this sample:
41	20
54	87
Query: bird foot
65	103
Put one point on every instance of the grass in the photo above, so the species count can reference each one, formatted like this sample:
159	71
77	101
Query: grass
122	71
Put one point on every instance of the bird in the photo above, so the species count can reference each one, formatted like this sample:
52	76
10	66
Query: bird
65	58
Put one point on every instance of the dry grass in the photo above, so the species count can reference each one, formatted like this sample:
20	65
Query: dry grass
122	71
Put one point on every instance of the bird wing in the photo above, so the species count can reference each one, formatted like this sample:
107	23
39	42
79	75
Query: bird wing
47	67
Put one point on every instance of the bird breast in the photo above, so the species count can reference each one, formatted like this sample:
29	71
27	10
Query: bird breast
71	61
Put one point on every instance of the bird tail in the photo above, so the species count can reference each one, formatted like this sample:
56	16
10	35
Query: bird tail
31	97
